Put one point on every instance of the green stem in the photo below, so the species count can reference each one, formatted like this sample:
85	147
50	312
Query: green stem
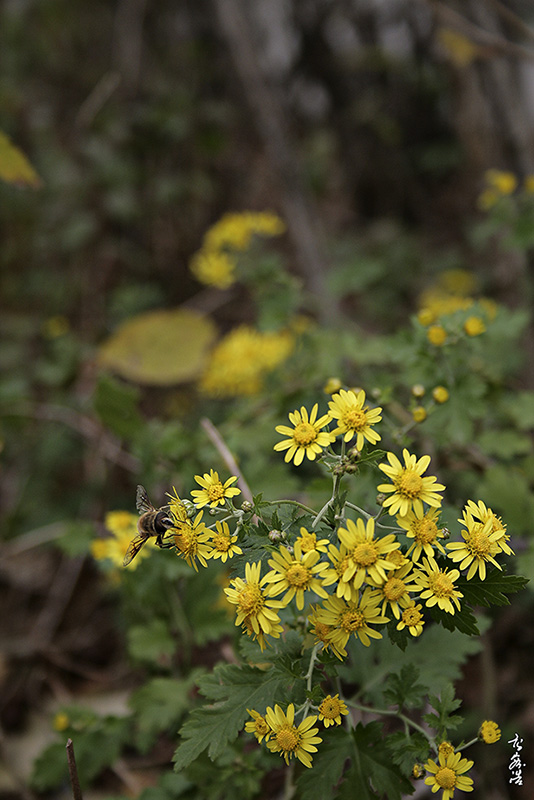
289	786
468	744
289	503
335	490
389	713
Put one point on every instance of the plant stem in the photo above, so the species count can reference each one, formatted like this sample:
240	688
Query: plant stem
389	713
289	503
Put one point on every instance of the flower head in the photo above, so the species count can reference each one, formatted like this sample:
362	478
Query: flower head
474	326
122	525
223	543
258	726
213	491
421	526
368	556
440	394
437	586
489	732
436	335
479	547
308	541
479	511
192	541
289	739
395	591
354	417
295	573
213	268
331	710
355	618
408	488
255	611
448	775
322	632
412	618
306	438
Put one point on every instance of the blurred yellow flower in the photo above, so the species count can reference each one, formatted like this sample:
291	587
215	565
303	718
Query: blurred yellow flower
474	326
436	335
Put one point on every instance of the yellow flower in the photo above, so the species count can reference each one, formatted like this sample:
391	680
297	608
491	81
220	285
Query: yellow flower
395	590
419	414
306	437
529	184
352	618
123	527
436	335
412	618
418	390
290	740
223	543
479	511
440	394
426	317
489	732
255	611
240	362
479	546
192	541
408	488
487	199
61	721
332	385
474	326
445	749
295	573
354	417
341	562
213	268
368	557
308	541
321	632
448	775
213	491
503	182
422	527
331	709
235	230
437	586
259	726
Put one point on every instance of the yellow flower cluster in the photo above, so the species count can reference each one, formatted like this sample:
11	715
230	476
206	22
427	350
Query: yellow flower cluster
122	528
215	264
238	365
499	184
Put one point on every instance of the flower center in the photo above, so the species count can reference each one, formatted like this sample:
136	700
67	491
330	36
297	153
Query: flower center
409	483
221	542
288	738
322	631
308	541
216	492
342	565
446	778
394	589
304	434
250	600
365	554
441	585
298	575
355	419
352	620
330	708
186	541
411	616
478	543
425	531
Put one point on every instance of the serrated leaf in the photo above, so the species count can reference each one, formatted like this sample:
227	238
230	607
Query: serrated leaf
161	348
159	705
403	690
372	766
319	782
14	166
213	727
463	620
493	590
407	748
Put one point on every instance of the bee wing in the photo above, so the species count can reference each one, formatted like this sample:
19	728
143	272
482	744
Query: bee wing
142	503
133	549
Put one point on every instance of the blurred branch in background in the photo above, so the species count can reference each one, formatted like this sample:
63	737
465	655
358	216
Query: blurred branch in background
302	222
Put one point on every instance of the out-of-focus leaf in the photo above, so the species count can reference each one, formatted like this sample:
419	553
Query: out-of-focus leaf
115	403
14	166
161	348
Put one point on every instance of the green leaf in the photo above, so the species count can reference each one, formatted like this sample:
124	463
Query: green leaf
14	166
372	766
444	720
407	749
319	782
235	689
161	348
403	690
150	642
115	402
504	443
159	706
463	620
493	590
520	409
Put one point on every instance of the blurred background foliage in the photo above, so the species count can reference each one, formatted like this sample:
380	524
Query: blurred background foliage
369	129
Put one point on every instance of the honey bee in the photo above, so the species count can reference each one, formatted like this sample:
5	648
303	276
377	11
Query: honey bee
152	522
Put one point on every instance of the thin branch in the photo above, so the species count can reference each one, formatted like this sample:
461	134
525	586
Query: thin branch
73	772
97	98
225	453
513	19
